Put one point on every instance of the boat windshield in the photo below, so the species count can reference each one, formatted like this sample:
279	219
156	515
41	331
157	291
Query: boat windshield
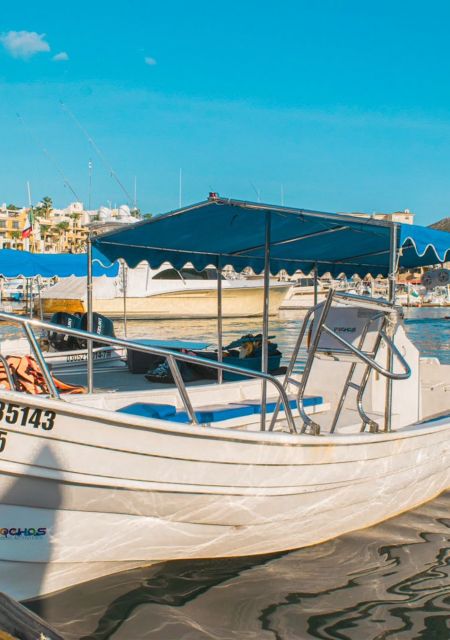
187	274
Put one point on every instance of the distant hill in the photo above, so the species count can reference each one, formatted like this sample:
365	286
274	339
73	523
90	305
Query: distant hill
442	225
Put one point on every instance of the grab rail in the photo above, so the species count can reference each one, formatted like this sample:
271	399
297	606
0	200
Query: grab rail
172	357
383	308
364	301
370	361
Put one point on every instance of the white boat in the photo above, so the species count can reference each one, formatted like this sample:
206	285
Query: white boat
303	294
97	483
165	293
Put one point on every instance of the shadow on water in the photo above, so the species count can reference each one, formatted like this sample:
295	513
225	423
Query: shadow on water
27	504
389	581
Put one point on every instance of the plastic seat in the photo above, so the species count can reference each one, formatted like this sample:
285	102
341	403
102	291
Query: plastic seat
308	401
213	413
150	410
216	413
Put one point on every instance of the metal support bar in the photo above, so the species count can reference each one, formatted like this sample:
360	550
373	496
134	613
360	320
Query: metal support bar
316	283
364	301
219	320
265	336
41	310
90	359
291	364
388	373
41	361
124	288
30	296
366	420
175	371
315	428
390	354
348	383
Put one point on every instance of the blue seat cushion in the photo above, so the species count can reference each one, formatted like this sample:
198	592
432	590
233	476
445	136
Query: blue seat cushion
150	410
215	413
308	401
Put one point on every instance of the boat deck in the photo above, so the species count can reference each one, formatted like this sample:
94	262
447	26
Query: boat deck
115	388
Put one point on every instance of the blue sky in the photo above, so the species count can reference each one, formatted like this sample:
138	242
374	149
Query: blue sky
343	105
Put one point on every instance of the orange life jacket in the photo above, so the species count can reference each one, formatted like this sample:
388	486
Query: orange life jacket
27	377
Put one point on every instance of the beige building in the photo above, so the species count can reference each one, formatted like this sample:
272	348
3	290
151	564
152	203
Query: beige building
406	217
12	222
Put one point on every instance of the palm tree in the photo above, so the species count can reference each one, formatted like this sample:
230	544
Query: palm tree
62	228
15	235
45	207
75	217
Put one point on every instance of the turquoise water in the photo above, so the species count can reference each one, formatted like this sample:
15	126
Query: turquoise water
430	331
391	581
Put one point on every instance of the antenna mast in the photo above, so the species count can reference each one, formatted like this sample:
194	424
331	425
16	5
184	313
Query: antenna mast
90	184
97	150
47	153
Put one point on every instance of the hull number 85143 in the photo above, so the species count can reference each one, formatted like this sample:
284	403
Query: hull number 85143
27	416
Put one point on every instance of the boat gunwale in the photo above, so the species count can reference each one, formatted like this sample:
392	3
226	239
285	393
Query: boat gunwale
271	438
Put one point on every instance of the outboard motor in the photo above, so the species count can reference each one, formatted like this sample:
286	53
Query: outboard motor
101	325
61	341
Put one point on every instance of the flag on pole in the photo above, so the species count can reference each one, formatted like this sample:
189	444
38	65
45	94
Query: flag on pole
28	228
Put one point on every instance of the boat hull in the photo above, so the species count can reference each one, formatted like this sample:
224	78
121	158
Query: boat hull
189	303
100	495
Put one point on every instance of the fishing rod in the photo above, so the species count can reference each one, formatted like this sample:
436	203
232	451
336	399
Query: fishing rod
49	156
97	150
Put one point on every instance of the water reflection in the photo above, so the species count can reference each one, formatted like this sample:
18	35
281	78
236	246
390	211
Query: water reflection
389	581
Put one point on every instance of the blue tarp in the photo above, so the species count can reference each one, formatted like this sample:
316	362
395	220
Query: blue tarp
15	263
223	231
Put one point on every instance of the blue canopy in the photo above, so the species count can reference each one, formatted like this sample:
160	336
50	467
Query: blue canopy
14	263
223	231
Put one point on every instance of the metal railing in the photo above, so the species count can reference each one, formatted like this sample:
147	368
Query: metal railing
377	305
172	358
373	304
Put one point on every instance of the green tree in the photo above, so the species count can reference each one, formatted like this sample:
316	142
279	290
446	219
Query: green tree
147	216
15	235
12	207
75	217
45	207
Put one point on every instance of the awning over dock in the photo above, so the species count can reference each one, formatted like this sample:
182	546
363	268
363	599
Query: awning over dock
223	232
15	263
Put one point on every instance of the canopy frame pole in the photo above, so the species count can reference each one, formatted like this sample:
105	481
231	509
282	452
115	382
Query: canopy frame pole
265	336
31	296
124	290
41	310
219	319
316	283
90	324
392	277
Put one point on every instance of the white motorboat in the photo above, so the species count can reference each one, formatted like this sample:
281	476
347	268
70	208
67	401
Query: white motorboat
130	474
165	293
